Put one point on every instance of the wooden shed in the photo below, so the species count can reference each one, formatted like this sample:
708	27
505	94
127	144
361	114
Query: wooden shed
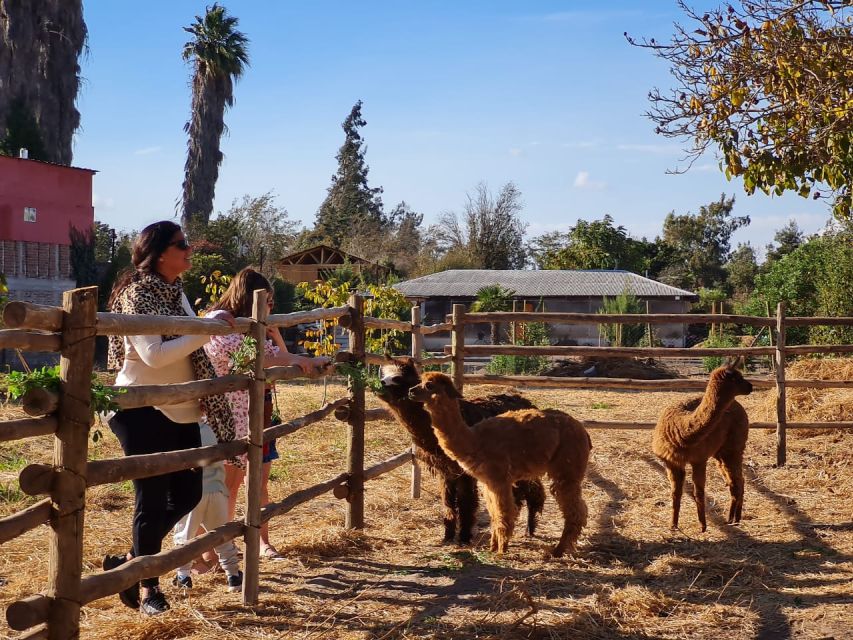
320	261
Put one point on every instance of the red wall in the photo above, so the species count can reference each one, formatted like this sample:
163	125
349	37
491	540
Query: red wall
62	196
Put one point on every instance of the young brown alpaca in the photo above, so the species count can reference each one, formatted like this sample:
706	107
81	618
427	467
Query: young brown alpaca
513	446
709	426
458	489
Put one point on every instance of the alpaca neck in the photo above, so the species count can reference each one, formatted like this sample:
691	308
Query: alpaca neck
707	415
414	417
454	436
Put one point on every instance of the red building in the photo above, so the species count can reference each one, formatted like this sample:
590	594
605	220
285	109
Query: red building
39	203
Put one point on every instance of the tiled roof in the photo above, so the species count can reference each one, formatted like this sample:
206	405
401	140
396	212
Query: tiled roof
464	283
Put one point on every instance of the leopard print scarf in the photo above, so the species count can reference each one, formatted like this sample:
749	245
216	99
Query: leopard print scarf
149	294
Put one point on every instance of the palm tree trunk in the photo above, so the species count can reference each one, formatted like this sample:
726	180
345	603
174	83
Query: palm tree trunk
40	46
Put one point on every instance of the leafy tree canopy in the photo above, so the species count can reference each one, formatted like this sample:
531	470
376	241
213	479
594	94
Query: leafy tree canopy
351	206
741	270
769	84
700	244
590	245
490	233
786	240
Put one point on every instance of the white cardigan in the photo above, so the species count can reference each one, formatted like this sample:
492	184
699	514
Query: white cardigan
151	360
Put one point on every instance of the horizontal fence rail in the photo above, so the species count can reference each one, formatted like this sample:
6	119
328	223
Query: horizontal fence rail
550	317
616	352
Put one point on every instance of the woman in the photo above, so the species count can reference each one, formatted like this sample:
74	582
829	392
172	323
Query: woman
161	254
237	302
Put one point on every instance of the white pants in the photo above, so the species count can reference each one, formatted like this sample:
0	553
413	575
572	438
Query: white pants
211	512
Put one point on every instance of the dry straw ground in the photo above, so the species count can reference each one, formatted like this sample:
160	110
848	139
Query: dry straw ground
785	572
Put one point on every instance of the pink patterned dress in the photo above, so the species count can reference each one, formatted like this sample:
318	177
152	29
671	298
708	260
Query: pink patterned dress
219	350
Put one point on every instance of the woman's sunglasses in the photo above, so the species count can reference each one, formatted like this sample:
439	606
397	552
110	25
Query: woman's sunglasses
182	244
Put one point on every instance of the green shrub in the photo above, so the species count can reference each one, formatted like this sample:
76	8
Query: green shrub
712	362
532	334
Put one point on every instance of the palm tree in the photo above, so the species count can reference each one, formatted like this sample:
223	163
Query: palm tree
219	54
40	47
493	297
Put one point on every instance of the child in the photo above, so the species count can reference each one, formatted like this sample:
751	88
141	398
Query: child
210	513
237	302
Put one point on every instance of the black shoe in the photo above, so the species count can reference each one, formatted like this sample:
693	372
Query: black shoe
183	581
130	596
155	603
235	583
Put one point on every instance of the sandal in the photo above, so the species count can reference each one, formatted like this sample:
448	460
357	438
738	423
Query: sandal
271	553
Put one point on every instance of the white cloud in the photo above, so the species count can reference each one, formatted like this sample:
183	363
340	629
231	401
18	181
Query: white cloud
147	151
516	152
661	149
101	202
582	181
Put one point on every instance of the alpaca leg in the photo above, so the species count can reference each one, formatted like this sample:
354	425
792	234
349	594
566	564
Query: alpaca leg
491	507
448	498
731	466
699	491
676	483
466	503
573	508
503	519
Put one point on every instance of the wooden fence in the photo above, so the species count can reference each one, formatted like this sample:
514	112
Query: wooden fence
71	330
778	352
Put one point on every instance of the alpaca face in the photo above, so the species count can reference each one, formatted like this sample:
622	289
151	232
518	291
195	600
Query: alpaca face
732	380
397	377
434	387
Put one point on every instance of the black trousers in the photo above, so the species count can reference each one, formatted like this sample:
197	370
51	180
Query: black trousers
160	500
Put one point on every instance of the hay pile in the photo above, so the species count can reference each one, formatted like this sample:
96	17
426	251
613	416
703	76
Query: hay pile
816	405
634	368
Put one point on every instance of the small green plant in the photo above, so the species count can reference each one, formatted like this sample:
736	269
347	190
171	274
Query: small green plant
12	461
529	334
242	359
103	397
11	493
602	405
215	285
709	363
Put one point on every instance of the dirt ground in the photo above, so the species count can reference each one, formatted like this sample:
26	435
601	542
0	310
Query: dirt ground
785	572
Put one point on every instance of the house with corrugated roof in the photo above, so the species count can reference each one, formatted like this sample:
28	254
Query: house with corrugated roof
547	290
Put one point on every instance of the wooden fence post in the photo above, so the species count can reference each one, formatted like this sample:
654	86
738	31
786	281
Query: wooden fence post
355	447
68	493
779	358
417	351
252	534
457	346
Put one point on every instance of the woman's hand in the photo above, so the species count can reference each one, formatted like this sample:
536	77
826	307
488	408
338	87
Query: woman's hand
227	317
310	365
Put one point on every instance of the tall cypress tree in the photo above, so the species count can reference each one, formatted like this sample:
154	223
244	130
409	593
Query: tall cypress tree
351	206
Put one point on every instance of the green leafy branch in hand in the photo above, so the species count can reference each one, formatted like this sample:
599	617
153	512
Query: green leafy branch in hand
359	374
242	359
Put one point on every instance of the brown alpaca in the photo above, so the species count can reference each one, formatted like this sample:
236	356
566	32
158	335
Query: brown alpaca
709	426
458	489
513	446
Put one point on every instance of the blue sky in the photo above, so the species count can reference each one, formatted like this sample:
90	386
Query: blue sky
546	94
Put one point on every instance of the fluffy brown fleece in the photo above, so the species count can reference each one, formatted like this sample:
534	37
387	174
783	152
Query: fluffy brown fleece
458	489
710	426
513	446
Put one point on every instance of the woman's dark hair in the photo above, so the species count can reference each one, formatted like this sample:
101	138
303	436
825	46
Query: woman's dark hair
238	298
148	246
